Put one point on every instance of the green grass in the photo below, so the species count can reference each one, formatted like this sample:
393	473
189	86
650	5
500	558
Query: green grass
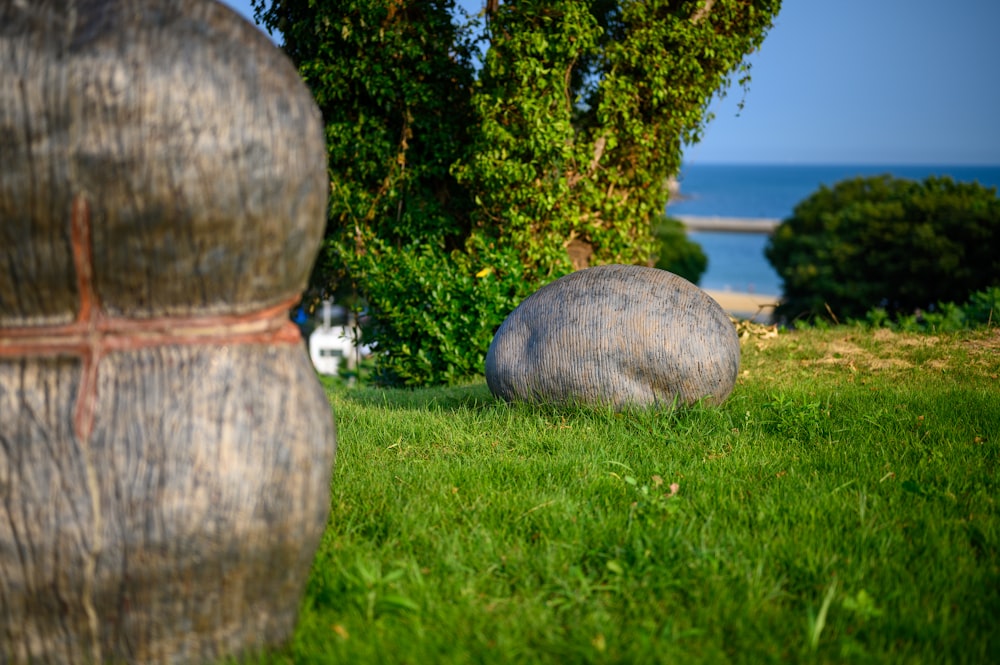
839	507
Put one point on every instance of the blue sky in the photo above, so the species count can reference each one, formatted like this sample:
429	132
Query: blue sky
861	82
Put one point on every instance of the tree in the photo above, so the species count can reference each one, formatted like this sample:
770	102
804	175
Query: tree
884	242
457	192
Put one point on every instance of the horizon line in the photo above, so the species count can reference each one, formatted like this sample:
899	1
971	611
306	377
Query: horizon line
866	163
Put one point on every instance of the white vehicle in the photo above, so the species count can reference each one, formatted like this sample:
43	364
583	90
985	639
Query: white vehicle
335	341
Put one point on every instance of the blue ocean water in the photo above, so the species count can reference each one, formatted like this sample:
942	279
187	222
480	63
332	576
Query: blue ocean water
736	260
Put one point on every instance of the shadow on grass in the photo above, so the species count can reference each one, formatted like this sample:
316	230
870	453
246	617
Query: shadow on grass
474	395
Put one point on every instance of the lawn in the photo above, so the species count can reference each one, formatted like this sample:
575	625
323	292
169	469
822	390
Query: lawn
839	507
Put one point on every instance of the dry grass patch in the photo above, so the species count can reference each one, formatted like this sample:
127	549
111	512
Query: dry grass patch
854	353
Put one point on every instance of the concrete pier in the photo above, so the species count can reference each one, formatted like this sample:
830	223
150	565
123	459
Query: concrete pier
729	224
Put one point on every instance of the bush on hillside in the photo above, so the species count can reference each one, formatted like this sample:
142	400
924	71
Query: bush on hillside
676	252
894	244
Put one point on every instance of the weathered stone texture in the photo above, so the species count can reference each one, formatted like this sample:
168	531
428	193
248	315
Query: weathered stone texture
165	447
618	335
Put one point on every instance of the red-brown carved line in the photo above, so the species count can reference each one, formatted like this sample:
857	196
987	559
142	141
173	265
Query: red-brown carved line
94	333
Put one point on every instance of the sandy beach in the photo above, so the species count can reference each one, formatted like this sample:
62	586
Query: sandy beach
754	306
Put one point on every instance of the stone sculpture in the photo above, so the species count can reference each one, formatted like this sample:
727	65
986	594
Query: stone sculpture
615	335
165	448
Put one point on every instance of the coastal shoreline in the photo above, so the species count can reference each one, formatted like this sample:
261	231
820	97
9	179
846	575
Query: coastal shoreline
757	307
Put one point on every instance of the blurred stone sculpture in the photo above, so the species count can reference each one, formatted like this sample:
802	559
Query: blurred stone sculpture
615	335
165	448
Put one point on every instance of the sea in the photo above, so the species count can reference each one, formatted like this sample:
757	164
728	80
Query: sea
736	261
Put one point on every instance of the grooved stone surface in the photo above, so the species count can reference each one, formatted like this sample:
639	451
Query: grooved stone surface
619	335
183	529
165	446
198	148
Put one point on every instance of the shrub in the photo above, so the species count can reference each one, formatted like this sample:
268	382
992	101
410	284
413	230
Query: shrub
438	310
980	311
676	252
895	244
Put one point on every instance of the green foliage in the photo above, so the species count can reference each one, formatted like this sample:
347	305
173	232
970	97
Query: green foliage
894	244
554	155
392	81
437	323
676	253
981	310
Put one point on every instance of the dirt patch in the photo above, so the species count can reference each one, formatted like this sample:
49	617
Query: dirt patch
990	342
884	335
877	364
854	357
858	352
984	351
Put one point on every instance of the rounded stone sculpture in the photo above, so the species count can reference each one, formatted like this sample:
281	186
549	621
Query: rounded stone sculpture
165	447
625	336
